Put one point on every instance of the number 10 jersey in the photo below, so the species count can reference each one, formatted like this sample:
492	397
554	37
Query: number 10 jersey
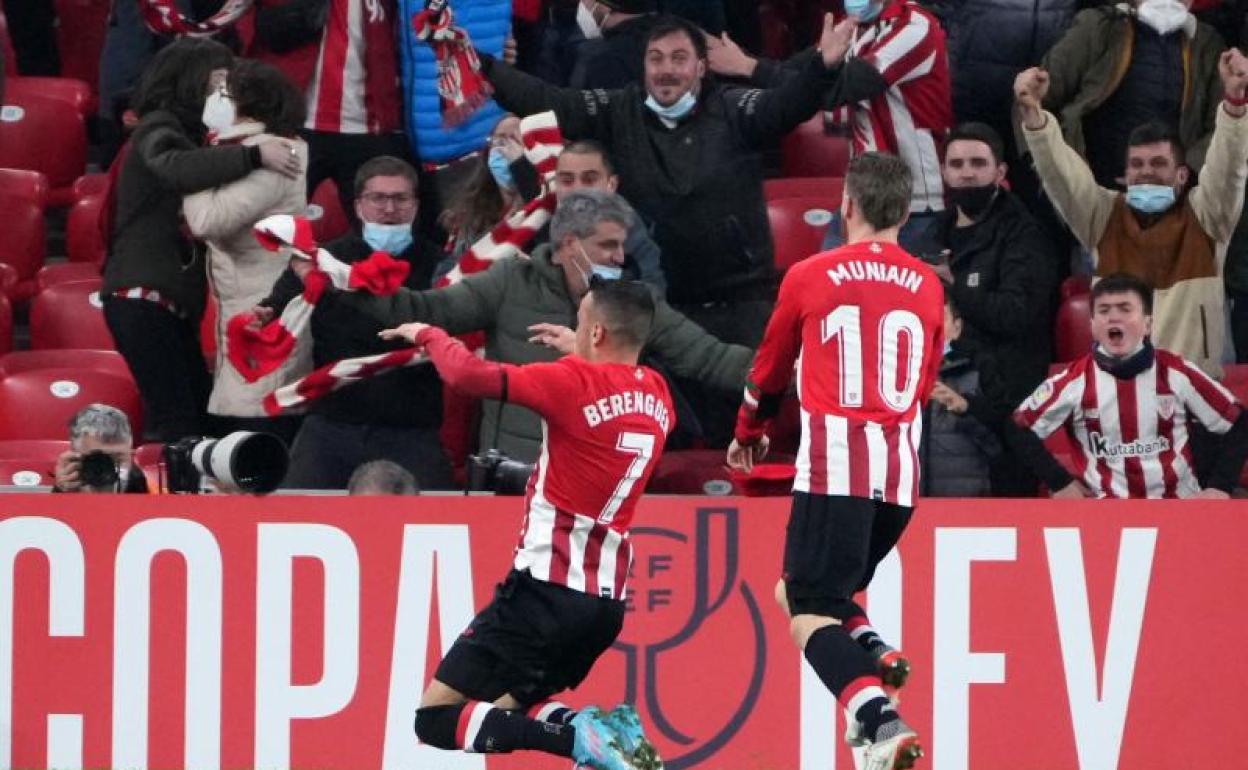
864	324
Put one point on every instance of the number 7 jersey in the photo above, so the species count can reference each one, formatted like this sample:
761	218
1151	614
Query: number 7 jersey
603	431
864	325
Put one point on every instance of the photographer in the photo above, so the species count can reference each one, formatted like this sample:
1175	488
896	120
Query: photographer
101	454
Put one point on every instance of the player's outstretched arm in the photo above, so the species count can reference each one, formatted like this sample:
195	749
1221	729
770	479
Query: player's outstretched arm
456	365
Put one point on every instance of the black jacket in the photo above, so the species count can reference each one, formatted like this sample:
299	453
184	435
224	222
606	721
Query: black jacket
990	42
406	398
616	59
149	247
1005	279
699	185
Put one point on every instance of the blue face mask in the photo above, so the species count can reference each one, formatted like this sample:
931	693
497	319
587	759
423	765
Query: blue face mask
1150	198
392	239
865	10
602	272
500	169
675	111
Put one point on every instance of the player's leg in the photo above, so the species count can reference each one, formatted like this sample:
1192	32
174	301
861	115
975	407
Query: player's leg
584	628
458	710
889	524
827	555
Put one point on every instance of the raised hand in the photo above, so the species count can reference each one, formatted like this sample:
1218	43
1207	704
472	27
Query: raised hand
836	39
1030	88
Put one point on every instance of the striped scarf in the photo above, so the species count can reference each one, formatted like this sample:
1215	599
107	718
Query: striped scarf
461	86
164	18
274	342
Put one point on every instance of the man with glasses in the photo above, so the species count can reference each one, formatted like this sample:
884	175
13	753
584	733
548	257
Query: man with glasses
395	416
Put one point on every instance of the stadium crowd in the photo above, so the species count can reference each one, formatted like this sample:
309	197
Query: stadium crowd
270	184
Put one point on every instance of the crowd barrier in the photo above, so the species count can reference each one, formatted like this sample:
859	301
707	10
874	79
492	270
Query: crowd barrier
169	632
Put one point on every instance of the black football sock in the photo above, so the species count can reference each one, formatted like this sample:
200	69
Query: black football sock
551	711
482	728
849	672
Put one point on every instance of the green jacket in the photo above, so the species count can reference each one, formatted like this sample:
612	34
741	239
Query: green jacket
1087	65
516	293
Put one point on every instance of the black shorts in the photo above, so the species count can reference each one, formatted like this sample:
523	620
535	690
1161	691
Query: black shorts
533	640
831	548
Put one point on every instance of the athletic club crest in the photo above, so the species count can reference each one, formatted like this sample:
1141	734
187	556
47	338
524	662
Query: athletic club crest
1166	407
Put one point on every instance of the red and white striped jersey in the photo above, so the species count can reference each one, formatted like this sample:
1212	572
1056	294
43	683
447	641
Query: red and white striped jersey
603	430
912	117
865	325
344	96
1130	435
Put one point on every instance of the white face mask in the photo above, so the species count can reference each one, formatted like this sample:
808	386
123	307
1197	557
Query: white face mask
1164	16
585	20
218	111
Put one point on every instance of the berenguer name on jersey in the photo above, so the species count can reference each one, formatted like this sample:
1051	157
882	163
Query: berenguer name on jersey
628	402
857	270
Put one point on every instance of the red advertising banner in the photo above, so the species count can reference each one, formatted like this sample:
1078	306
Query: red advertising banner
171	632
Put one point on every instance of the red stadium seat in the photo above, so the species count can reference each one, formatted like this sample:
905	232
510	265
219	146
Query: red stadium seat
69	315
329	221
38	404
777	38
460	416
1075	285
66	272
808	151
826	188
1073	331
6	325
25	185
44	134
107	362
76	93
83	240
797	228
90	184
29	463
691	472
80	27
8	279
23	246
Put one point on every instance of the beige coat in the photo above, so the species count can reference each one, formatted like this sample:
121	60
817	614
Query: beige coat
1188	305
240	272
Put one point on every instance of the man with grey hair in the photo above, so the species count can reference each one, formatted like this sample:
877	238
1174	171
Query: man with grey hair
382	477
100	457
527	307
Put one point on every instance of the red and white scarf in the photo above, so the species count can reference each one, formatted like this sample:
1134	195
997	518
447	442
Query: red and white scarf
256	351
164	18
542	144
262	351
461	85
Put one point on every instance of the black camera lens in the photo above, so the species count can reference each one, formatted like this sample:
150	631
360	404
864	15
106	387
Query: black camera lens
98	470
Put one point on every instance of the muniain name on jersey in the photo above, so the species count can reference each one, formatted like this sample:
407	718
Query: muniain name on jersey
857	270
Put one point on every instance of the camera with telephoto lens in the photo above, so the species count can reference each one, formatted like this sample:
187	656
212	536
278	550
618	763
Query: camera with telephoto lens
254	463
98	470
493	471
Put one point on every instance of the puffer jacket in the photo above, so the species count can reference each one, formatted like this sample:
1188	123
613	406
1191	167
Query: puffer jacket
990	42
487	22
240	271
1087	65
516	293
957	448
